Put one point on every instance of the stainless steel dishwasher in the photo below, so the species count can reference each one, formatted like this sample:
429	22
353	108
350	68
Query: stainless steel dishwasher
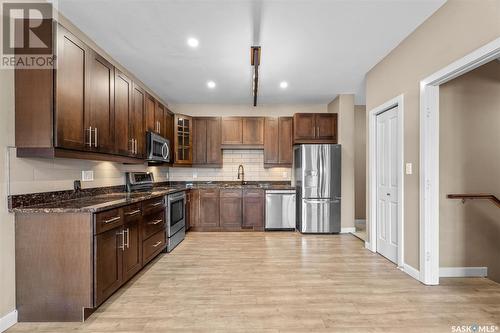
280	210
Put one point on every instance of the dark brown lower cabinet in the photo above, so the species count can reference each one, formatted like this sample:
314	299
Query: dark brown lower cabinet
253	209
230	209
209	208
226	209
108	264
132	253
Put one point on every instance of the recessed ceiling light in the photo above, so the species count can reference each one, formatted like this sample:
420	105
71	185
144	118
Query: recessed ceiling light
211	84
193	42
283	84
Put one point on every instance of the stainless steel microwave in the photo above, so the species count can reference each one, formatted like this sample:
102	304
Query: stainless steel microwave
158	148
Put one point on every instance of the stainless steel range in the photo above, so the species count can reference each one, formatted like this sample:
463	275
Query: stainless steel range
175	206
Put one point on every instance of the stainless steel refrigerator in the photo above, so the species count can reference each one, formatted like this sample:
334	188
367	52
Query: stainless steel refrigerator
316	176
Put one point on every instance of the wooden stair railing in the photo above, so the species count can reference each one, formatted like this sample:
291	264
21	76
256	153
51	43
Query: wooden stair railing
465	197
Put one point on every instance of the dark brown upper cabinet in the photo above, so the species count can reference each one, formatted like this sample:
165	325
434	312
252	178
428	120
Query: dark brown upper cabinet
72	97
278	141
100	122
137	133
150	113
183	140
315	128
160	119
232	131
124	142
207	149
82	108
169	128
243	132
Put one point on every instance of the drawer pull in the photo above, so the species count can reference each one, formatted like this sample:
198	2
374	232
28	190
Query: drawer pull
157	204
157	244
133	212
111	220
155	222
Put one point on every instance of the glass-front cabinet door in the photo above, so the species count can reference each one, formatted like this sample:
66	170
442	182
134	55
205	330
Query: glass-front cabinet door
183	139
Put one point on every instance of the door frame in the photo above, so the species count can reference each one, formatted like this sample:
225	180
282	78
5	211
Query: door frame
429	154
372	175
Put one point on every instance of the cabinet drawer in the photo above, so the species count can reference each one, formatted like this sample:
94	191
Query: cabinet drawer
152	246
230	193
253	193
153	223
132	212
153	206
108	220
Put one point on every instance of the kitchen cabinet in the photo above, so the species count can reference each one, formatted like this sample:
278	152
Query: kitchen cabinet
253	131
278	141
194	208
209	208
169	130
253	209
183	140
108	260
315	128
151	124
207	149
230	209
99	124
83	108
243	132
71	95
124	141
137	132
160	119
132	252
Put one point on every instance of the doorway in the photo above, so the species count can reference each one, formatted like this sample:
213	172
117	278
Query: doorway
385	168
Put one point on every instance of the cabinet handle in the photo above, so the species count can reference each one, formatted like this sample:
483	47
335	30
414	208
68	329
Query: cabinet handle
155	222
157	204
90	136
314	132
111	220
122	233
157	244
135	146
133	212
132	146
128	237
95	137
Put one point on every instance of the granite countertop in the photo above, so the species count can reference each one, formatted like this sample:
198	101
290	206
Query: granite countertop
97	200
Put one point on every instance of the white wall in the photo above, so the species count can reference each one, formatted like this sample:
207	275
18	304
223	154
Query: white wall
245	110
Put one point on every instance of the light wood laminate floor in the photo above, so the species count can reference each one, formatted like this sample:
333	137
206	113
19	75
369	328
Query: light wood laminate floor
283	282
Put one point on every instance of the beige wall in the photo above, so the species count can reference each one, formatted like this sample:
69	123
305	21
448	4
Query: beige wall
343	105
360	161
470	163
457	28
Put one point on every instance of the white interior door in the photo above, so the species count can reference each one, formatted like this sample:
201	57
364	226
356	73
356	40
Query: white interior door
387	184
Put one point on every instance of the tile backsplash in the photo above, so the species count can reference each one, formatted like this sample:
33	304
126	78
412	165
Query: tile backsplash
252	161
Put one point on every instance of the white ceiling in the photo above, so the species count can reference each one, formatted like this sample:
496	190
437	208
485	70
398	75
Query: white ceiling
322	48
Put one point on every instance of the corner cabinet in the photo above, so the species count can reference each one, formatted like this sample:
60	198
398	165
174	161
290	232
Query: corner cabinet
183	140
315	128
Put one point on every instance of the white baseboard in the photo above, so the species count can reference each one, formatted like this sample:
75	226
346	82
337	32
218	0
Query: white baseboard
347	230
411	271
463	271
8	320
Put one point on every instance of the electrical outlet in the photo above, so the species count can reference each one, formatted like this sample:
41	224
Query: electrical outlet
87	176
409	168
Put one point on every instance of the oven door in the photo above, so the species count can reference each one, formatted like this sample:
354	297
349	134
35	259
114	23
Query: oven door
176	213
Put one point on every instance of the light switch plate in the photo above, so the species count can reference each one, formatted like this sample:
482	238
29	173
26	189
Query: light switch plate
87	175
409	168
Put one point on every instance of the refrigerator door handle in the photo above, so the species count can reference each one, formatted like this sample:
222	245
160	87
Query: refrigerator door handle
321	201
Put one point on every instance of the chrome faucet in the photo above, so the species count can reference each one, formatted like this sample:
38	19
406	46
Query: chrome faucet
241	173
